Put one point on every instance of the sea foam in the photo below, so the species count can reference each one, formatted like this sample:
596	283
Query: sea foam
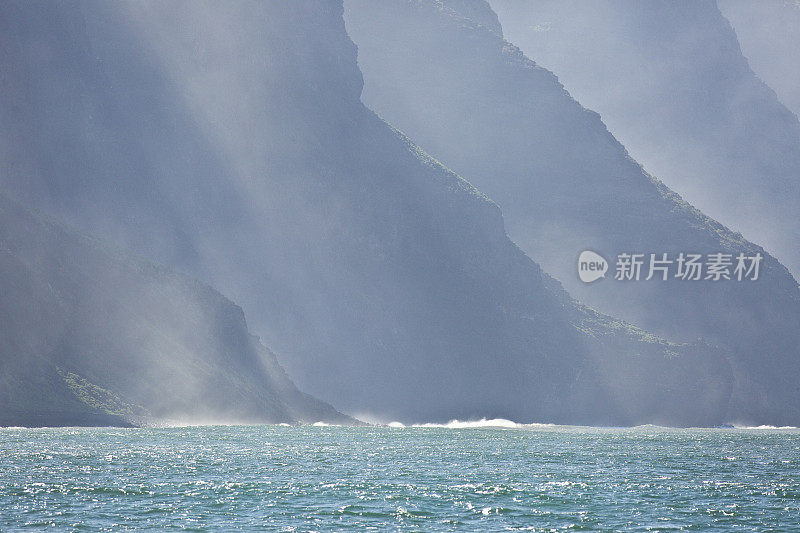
482	423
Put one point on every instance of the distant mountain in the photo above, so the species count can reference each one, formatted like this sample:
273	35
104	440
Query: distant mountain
90	336
769	34
671	83
565	184
229	140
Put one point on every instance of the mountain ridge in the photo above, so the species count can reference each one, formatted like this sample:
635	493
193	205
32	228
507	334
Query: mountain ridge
672	83
565	184
384	281
80	319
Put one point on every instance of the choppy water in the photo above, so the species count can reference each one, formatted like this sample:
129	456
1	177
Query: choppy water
336	478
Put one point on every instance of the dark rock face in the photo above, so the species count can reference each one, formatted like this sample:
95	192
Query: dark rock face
672	84
565	185
91	336
230	141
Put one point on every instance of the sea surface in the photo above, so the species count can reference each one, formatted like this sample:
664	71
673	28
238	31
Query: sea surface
466	477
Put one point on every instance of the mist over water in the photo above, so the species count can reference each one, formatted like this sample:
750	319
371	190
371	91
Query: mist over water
236	148
233	143
215	218
566	183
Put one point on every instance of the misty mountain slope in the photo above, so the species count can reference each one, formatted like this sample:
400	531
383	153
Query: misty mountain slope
769	34
230	141
671	83
91	336
566	185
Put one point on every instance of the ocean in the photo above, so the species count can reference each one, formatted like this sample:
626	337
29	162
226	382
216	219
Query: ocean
462	477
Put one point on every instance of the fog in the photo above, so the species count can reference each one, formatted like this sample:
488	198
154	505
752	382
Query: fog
670	82
230	142
769	35
564	183
147	132
91	335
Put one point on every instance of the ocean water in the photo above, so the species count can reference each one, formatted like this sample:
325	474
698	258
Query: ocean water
460	478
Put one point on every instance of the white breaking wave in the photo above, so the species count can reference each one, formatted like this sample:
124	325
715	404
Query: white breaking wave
482	423
765	427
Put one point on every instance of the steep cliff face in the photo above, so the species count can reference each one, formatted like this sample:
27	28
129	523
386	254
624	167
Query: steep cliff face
92	336
671	83
476	11
769	34
566	185
229	140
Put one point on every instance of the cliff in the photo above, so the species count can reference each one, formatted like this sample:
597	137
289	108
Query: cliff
92	336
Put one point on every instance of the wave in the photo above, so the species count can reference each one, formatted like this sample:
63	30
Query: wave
764	427
482	423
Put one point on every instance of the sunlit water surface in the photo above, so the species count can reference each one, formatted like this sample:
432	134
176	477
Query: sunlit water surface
432	479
